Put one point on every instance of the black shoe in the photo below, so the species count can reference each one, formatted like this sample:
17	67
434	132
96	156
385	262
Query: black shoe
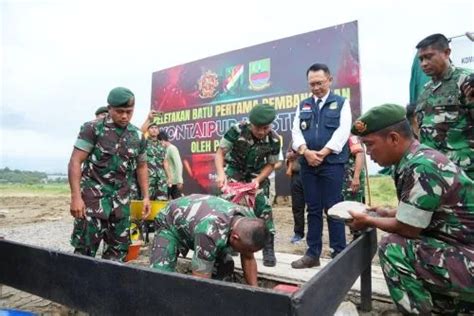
305	262
269	259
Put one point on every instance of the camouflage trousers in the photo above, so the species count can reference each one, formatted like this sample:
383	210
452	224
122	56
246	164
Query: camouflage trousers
263	205
157	187
358	196
166	248
422	283
90	231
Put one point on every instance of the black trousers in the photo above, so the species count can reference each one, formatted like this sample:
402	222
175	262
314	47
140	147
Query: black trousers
298	204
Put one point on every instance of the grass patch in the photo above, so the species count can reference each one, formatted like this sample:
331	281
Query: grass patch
383	191
34	189
382	188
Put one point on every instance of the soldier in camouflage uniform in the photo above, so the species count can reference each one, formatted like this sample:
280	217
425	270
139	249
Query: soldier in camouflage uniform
109	150
354	175
155	153
250	152
445	116
428	259
101	112
212	227
157	179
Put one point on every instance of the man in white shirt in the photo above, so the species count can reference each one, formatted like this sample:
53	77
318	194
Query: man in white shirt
320	132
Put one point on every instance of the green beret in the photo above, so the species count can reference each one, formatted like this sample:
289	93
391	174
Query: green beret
152	124
378	118
121	97
262	114
102	109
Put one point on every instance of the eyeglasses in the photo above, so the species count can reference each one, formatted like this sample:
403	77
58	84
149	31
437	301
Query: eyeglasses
317	83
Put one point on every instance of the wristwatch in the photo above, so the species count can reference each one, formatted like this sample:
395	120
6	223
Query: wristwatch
302	150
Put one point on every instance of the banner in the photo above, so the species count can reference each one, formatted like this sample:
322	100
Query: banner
202	99
462	52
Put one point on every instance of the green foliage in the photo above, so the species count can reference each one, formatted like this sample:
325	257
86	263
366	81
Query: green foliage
17	176
383	191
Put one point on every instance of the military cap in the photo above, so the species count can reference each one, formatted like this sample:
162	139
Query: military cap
378	118
121	97
152	124
102	109
262	114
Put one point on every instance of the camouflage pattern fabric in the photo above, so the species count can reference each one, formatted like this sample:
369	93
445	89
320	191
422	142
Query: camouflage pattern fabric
355	147
198	222
434	271
158	188
107	176
347	193
446	120
246	157
89	232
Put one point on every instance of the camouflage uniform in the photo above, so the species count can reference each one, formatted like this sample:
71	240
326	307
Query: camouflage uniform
246	157
435	272
107	175
198	222
158	188
355	147
446	121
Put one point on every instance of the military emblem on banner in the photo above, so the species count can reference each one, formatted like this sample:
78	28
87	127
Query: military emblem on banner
259	74
207	84
234	78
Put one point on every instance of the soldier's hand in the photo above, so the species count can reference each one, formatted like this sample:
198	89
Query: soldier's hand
355	185
152	114
221	181
78	208
291	155
381	211
256	184
359	220
468	92
146	208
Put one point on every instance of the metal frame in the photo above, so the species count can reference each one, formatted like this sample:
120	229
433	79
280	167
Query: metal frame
103	287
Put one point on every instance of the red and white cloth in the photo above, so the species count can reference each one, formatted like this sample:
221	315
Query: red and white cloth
240	193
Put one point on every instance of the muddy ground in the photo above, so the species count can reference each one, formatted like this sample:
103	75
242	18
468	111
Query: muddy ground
44	220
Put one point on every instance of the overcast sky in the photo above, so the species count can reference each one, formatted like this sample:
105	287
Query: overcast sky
59	59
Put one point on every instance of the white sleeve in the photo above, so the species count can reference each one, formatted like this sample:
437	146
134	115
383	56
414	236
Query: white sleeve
341	134
296	134
280	156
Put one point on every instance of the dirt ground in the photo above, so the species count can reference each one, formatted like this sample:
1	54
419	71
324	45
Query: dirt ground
20	210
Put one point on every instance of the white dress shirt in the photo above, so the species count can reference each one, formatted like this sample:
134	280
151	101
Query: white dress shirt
340	135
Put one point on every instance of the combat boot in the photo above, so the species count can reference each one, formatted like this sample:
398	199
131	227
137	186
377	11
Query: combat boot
269	259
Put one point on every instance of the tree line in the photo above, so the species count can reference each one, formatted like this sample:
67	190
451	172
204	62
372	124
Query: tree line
8	175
